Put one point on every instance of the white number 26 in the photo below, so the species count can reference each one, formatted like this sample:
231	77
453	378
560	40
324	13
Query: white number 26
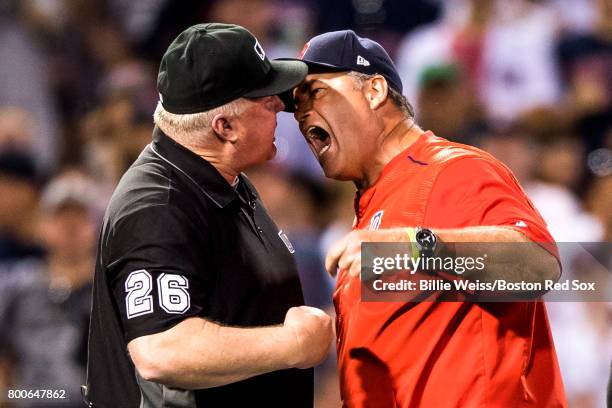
172	289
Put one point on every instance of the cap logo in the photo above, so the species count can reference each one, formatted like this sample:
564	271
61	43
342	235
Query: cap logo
304	49
259	50
376	220
362	61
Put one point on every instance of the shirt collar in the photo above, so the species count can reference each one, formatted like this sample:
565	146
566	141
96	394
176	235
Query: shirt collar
197	169
362	201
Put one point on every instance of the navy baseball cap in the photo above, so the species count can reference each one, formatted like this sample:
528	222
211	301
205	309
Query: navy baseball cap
344	50
209	65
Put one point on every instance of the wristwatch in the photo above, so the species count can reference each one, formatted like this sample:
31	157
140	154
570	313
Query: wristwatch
426	241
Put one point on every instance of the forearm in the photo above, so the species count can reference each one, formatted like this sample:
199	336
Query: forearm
515	259
197	353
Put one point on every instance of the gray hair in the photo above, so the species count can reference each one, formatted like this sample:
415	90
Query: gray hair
193	124
397	98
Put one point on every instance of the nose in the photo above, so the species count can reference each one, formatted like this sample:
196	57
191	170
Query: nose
303	107
301	115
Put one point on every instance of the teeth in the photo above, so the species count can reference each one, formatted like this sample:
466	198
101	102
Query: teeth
316	139
311	132
323	150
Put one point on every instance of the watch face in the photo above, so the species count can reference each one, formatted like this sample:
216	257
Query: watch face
426	239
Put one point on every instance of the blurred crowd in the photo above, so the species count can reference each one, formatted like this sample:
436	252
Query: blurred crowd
529	81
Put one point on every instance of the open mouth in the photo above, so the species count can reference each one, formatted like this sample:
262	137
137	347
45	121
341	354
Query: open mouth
319	140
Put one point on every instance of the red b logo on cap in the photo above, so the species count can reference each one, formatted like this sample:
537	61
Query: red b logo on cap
304	49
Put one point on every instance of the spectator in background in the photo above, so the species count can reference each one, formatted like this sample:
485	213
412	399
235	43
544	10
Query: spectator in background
88	57
292	202
519	71
585	61
504	48
559	169
172	17
550	170
44	304
575	15
549	165
112	135
19	185
136	17
600	204
112	138
16	129
24	80
383	20
447	105
514	148
583	334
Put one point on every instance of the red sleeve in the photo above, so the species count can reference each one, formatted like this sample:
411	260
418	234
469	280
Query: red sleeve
478	191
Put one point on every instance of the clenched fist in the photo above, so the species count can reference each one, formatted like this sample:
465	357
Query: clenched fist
313	333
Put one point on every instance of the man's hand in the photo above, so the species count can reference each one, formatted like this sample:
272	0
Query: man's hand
529	261
313	331
197	353
346	253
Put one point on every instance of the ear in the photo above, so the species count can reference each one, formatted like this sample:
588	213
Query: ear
376	91
224	128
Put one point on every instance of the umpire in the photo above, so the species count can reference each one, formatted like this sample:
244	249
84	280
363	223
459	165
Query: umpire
196	294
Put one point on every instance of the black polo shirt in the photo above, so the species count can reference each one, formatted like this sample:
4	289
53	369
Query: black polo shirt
178	241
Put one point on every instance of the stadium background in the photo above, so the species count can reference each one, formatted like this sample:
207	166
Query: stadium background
528	81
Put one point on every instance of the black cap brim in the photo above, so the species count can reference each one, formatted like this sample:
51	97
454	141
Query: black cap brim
284	76
313	68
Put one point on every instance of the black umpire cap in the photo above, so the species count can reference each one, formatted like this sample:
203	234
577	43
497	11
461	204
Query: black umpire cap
344	50
209	65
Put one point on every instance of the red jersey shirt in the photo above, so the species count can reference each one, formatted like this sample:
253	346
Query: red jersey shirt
451	354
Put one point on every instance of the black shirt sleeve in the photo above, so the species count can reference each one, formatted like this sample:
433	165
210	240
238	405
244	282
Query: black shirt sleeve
157	269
